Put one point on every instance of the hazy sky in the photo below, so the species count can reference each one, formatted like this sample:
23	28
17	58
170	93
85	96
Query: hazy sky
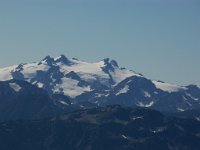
158	38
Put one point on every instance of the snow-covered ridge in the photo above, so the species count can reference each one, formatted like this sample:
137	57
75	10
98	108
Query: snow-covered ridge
168	87
5	73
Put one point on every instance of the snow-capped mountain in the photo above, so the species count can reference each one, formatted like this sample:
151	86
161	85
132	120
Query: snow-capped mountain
68	76
102	83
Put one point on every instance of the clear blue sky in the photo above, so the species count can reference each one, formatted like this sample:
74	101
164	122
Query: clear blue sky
158	38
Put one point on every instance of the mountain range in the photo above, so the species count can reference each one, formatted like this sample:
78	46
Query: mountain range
60	103
72	83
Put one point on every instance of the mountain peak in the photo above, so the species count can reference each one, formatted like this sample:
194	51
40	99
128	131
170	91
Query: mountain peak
110	62
63	59
48	59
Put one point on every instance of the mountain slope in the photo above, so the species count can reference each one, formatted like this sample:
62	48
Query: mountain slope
20	100
110	128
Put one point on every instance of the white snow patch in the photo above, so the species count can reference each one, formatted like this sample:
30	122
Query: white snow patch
15	87
124	90
64	103
137	117
155	92
140	104
184	98
180	109
82	106
6	73
40	85
84	67
196	99
107	95
198	118
30	70
70	88
189	103
100	95
120	74
89	72
168	87
158	130
129	81
125	137
147	94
